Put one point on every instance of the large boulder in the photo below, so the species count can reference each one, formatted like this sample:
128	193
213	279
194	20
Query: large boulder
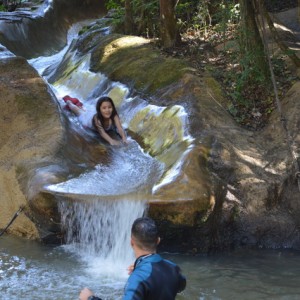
31	136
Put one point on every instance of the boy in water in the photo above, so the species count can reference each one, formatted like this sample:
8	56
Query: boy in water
151	276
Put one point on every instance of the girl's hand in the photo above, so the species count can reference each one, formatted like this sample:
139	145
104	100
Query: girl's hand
114	143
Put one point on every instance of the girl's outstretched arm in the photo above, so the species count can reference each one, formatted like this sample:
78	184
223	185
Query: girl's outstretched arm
120	129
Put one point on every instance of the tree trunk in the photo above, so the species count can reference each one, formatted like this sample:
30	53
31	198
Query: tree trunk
251	41
168	23
141	24
128	23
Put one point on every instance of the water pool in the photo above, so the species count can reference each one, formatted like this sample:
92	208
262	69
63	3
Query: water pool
29	270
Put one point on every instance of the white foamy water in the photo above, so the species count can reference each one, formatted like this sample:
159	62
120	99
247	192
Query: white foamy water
130	171
43	62
99	232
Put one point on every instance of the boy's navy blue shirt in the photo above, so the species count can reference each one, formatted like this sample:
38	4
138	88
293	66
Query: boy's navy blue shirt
154	278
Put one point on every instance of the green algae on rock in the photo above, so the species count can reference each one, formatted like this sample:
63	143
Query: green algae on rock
134	61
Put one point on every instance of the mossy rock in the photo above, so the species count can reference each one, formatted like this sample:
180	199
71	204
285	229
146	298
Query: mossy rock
134	61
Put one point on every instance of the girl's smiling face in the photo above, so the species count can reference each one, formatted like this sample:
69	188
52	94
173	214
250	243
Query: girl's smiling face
106	109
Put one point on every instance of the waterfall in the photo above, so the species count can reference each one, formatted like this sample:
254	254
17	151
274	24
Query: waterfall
97	223
99	232
98	199
99	205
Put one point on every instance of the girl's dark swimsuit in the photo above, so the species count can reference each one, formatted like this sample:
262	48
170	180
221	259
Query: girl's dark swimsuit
111	128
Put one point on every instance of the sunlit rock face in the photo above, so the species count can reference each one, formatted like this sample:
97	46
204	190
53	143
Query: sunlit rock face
31	136
256	169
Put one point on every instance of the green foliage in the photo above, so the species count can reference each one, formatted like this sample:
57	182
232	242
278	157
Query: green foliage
202	18
145	16
278	65
251	72
201	15
117	6
191	14
185	10
228	13
250	93
2	8
214	21
114	4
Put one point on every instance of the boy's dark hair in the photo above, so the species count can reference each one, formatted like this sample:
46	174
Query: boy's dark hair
145	232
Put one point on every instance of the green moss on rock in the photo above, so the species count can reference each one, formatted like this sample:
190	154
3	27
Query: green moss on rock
134	61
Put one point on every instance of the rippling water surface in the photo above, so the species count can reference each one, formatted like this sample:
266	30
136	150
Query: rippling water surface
29	270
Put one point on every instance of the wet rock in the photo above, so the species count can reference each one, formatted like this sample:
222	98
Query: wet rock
31	135
252	167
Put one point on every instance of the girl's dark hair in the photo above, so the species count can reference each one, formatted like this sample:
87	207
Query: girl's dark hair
98	105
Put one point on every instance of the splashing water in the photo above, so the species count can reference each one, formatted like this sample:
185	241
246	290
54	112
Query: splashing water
99	232
131	171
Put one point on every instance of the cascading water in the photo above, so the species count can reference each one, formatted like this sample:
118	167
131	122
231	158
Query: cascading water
99	231
99	206
130	172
